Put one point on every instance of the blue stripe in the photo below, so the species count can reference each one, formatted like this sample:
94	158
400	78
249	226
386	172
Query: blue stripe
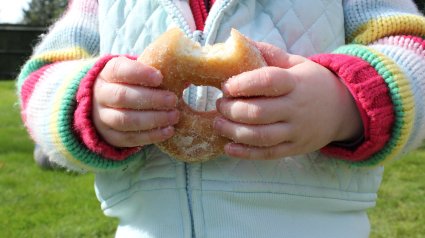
67	37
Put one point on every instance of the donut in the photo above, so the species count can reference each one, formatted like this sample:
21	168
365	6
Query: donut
183	61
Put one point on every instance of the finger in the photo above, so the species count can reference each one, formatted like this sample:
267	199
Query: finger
133	138
268	81
129	120
255	110
256	135
275	56
132	97
241	151
124	70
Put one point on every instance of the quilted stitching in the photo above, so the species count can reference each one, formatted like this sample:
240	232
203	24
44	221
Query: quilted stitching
127	27
296	25
158	165
119	21
312	160
265	168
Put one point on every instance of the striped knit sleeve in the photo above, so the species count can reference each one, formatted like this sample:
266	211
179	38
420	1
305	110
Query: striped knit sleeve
382	65
62	66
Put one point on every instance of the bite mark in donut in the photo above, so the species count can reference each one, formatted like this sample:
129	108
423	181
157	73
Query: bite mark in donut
182	61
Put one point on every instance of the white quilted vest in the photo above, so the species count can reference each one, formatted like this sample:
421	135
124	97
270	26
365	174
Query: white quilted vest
302	27
158	196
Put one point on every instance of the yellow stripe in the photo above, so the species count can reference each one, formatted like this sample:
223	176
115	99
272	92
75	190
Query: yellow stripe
54	129
408	104
387	26
62	55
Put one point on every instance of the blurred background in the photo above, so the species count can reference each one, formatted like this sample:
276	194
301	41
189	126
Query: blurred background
21	24
56	203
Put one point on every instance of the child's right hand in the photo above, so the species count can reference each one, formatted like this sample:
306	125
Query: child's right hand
127	110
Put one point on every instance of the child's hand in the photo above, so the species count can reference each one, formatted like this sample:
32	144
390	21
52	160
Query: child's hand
127	112
292	107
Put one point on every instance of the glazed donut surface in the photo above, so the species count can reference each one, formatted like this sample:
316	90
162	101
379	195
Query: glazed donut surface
182	61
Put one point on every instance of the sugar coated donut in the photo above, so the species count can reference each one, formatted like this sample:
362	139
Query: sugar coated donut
182	61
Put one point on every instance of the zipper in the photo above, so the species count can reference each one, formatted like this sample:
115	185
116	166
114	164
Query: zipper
218	14
189	197
201	37
175	11
198	36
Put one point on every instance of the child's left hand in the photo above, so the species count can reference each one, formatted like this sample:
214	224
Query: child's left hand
292	107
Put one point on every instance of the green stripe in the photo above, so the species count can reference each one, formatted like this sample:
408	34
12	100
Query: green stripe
29	67
72	144
388	76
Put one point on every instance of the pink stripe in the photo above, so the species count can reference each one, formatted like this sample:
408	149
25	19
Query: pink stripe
373	101
29	84
412	43
28	87
90	6
83	124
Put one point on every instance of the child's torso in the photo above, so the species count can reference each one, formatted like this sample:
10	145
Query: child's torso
158	196
309	195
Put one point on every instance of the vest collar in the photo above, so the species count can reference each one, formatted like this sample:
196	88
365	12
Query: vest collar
184	18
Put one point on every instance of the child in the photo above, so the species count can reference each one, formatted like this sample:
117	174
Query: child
308	154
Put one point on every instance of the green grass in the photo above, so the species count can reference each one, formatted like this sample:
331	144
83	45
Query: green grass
44	203
400	209
41	203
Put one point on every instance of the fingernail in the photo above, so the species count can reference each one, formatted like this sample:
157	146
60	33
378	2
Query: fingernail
156	77
170	100
218	124
225	88
166	131
172	116
231	150
217	103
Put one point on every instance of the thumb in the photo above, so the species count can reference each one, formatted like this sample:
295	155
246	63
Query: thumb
275	56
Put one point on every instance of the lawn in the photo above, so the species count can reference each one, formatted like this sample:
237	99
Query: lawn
42	203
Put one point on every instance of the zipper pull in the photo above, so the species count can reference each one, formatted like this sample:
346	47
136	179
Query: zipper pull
198	36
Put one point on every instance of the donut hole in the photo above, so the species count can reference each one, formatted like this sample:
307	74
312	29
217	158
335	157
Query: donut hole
201	98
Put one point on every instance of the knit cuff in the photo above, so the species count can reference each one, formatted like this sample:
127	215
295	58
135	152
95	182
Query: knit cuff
350	145
398	90
408	53
83	124
371	95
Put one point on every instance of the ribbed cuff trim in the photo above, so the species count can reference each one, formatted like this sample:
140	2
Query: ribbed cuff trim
373	101
83	124
350	146
401	97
